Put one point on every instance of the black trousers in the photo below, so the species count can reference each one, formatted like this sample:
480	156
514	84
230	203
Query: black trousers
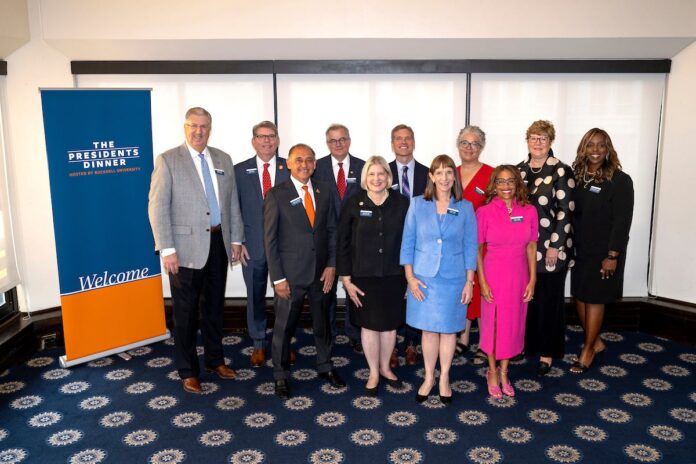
545	327
287	315
204	290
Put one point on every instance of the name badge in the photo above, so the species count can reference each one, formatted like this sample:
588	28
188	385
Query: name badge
479	191
219	172
350	180
395	187
595	189
365	213
296	201
252	171
453	212
516	218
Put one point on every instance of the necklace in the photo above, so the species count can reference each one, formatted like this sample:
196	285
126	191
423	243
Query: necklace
538	170
586	180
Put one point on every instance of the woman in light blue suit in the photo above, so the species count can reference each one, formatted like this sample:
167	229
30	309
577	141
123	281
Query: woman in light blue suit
438	252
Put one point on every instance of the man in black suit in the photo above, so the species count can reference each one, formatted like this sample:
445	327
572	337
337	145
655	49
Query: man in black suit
410	178
299	222
341	170
255	177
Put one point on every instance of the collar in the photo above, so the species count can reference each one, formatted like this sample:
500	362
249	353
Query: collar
298	185
194	154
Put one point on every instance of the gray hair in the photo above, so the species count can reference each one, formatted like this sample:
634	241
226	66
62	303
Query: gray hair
198	111
336	126
475	130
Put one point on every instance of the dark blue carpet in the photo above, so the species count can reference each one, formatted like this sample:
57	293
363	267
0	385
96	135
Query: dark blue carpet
637	405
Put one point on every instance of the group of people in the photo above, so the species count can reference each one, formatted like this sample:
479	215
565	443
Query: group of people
418	249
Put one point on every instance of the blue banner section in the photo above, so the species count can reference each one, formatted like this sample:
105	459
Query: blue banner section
99	145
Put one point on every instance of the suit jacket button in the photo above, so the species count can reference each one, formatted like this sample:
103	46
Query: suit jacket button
380	250
439	240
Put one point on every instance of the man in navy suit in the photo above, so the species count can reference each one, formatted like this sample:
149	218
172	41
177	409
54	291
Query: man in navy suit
341	170
410	178
255	177
299	223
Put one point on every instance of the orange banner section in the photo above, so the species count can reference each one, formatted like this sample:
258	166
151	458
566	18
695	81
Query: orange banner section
106	318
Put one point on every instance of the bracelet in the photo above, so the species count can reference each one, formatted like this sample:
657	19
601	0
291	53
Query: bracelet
612	258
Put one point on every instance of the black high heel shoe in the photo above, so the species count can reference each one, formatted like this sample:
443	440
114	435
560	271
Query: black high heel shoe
446	399
396	384
421	398
371	391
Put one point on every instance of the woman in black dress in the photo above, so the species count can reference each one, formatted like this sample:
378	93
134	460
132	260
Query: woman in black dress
369	243
550	184
601	223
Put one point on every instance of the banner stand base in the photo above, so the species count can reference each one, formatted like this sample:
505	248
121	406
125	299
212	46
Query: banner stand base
65	363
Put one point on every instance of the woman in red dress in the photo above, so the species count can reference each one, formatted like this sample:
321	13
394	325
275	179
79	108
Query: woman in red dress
475	177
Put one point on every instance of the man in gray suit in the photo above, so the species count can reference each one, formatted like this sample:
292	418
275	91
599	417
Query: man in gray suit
198	230
299	222
255	177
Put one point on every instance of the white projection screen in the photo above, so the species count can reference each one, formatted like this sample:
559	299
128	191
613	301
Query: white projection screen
236	102
628	106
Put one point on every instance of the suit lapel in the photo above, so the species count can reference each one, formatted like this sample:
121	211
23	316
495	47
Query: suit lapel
254	177
297	212
449	218
192	173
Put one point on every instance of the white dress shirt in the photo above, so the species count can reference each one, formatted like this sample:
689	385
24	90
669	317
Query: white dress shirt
271	170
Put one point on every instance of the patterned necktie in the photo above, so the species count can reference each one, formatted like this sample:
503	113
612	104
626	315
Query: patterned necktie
308	205
405	187
266	179
341	181
210	192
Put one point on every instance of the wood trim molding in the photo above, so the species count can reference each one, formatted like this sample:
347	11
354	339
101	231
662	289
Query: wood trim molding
3	68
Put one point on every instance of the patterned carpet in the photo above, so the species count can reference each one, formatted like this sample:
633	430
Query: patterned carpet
638	405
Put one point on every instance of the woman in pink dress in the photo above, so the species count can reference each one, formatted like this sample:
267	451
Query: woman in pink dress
474	176
508	229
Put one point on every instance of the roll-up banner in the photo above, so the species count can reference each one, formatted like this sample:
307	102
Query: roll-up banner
99	146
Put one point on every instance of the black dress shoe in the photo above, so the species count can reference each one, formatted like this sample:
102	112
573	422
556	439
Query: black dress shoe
333	378
396	384
543	368
282	390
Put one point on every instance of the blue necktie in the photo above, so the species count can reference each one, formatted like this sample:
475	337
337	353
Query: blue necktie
405	187
210	192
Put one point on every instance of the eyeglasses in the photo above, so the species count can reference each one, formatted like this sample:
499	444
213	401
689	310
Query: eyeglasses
197	126
538	138
265	136
466	144
341	141
501	181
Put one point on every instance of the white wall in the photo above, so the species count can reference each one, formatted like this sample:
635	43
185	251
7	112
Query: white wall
276	29
674	254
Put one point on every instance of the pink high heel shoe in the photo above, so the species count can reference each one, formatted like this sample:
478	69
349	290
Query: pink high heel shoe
493	390
507	387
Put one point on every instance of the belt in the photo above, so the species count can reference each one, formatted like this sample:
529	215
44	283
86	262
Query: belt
216	228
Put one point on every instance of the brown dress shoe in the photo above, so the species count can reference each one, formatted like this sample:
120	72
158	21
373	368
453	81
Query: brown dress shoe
258	357
222	371
394	359
292	357
191	384
411	355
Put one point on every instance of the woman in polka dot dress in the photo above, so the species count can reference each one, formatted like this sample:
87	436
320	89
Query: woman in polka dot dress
550	183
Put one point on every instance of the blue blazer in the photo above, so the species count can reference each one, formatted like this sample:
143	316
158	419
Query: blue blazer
324	172
251	201
429	246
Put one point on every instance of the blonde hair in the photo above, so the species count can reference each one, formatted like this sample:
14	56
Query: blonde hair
371	161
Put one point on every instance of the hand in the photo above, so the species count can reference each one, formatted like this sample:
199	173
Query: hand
414	286
353	292
236	253
551	256
467	292
171	263
244	257
528	292
282	289
608	268
328	278
486	293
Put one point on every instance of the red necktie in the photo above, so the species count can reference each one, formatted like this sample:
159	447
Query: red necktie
341	181
308	205
266	179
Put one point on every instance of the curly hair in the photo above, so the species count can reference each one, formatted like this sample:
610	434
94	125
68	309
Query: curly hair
542	127
520	189
611	161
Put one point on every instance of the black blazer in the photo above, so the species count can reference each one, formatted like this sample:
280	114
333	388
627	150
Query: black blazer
251	201
420	179
369	236
324	172
294	250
